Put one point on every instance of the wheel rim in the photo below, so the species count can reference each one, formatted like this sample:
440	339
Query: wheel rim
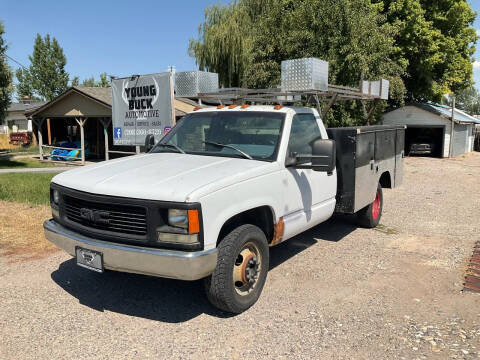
247	267
376	206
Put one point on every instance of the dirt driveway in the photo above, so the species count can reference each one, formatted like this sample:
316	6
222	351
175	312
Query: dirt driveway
335	292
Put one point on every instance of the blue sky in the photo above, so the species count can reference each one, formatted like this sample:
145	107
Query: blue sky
118	37
475	4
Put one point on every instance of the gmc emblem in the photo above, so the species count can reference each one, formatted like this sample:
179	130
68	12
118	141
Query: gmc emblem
96	217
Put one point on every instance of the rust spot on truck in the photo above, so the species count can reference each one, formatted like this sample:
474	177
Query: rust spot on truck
278	231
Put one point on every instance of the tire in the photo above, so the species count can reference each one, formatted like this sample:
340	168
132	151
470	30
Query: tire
242	254
370	216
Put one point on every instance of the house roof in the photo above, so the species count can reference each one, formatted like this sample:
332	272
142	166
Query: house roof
25	106
104	96
446	111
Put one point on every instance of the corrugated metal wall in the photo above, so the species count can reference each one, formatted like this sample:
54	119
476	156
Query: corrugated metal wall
460	139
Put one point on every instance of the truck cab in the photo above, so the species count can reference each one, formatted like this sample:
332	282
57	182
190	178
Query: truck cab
209	199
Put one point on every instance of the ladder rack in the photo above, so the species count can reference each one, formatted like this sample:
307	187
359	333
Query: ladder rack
277	96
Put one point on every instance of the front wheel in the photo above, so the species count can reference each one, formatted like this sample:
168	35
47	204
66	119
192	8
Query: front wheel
241	271
369	216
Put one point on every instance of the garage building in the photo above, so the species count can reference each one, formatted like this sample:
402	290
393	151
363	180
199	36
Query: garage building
428	122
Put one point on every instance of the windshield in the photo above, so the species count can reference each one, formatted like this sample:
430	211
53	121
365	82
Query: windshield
249	134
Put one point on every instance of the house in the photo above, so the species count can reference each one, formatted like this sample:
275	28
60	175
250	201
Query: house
84	115
15	118
432	123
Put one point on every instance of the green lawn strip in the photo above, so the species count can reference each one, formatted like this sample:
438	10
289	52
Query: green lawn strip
18	163
30	188
27	150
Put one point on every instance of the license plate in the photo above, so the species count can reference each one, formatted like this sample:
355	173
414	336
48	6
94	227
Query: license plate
89	259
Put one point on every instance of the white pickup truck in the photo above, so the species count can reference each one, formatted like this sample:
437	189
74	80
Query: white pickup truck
225	184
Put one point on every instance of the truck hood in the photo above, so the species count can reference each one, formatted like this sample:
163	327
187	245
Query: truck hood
163	176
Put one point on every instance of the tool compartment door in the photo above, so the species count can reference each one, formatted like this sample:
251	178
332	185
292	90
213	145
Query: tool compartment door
365	174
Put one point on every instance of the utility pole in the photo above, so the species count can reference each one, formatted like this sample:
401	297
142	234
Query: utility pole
450	153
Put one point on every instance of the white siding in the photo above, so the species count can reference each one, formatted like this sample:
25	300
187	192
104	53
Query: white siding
460	139
471	137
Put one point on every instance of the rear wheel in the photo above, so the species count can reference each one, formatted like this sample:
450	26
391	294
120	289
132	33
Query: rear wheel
241	272
369	216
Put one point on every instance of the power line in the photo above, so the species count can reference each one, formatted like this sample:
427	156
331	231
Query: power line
15	61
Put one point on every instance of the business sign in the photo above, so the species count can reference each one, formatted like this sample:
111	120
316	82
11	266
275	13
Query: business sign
141	105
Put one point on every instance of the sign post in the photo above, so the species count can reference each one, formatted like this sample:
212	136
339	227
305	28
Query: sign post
141	105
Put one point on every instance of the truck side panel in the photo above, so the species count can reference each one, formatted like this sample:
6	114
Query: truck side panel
366	178
399	156
363	154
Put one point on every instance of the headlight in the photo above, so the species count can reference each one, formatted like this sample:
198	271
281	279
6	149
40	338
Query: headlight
178	218
56	197
183	228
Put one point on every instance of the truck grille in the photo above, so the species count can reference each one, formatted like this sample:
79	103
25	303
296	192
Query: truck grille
103	216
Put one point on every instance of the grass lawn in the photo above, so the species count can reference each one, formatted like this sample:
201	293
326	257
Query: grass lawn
6	163
30	188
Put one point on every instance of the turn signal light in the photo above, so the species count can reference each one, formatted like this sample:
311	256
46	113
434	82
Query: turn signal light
193	222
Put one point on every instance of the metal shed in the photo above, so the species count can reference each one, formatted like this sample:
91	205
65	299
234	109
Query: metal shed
434	121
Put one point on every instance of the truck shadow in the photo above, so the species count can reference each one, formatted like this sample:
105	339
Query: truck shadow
334	229
167	300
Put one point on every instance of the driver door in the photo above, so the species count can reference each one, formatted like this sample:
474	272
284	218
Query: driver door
309	195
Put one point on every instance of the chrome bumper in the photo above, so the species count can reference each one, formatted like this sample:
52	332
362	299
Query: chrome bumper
164	263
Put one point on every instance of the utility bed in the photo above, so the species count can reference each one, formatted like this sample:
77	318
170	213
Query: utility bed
366	155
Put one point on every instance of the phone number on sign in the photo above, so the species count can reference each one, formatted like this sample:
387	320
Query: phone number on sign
143	132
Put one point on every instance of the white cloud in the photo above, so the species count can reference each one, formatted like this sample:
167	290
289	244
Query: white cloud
476	64
478	32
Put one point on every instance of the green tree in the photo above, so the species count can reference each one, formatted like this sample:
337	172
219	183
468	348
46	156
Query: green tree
5	77
46	76
225	39
246	41
75	81
103	82
436	42
24	87
91	82
467	100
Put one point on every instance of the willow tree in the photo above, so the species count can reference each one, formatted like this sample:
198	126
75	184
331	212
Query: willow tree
225	38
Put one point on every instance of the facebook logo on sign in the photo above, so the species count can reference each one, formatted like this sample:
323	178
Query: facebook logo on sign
117	133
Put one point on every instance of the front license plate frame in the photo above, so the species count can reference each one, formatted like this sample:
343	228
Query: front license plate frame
89	259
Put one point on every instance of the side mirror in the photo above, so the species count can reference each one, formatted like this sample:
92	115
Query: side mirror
149	142
324	154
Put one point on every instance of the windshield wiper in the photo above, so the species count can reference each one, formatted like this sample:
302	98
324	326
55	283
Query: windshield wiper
172	146
228	146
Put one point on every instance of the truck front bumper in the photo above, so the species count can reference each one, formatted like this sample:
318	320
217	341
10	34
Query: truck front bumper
135	259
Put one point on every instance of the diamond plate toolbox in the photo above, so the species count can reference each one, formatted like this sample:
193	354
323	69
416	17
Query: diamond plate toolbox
304	74
190	83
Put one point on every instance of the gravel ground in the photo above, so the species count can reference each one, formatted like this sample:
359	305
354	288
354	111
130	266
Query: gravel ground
337	291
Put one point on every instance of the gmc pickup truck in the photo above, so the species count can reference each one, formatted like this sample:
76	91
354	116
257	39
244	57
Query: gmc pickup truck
222	187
